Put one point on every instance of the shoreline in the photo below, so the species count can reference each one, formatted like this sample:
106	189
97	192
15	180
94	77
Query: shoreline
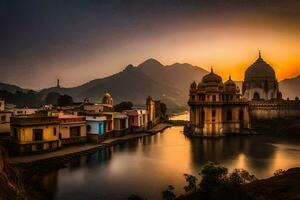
66	154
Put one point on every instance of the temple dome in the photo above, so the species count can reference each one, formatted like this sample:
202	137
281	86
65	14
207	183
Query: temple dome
107	99
260	69
211	78
230	82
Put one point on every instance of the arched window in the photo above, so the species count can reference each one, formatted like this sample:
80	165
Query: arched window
229	115
256	96
241	115
213	115
202	116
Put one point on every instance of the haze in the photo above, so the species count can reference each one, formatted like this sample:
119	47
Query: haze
78	41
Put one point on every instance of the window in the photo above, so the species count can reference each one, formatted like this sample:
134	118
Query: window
75	131
241	115
202	116
193	97
229	115
37	134
54	131
256	96
214	97
213	114
15	133
3	118
208	97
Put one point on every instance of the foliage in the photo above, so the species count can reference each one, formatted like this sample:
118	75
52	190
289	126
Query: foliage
52	98
125	105
168	194
279	172
240	177
213	176
191	183
163	108
65	100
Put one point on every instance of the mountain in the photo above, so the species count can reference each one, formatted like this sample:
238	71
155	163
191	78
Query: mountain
11	88
167	83
290	88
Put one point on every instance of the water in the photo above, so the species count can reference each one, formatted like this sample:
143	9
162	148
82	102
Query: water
147	165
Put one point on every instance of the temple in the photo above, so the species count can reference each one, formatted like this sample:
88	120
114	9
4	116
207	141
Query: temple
218	108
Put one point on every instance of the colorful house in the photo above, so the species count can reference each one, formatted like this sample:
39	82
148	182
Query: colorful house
138	119
121	124
95	126
72	129
35	134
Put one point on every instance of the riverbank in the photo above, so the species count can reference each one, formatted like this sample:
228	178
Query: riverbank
68	153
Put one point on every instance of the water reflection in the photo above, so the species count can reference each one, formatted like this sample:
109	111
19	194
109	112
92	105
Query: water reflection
146	166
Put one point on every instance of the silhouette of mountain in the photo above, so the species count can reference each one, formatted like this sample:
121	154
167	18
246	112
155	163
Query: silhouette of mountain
290	88
11	88
168	83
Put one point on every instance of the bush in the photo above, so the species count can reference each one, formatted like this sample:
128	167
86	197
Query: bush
191	183
168	194
279	172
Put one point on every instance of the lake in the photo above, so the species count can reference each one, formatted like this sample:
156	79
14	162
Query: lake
147	165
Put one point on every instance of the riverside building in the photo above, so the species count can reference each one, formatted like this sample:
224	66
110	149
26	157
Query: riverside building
34	134
217	108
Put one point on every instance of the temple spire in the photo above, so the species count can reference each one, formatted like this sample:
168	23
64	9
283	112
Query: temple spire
211	69
230	76
57	84
259	54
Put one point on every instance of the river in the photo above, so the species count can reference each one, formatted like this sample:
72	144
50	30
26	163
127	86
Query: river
147	165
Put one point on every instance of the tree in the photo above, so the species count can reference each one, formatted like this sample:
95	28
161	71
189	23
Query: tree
191	183
240	177
279	172
65	100
125	105
213	177
168	194
52	98
163	108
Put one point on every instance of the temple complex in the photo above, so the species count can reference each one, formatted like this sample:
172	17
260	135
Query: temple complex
218	108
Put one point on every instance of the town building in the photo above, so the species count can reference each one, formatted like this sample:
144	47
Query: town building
34	134
217	108
24	111
2	105
72	129
138	119
5	123
154	112
121	124
95	126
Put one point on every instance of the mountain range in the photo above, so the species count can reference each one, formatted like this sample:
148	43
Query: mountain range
169	83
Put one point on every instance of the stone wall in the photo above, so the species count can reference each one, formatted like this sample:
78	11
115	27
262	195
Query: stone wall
275	109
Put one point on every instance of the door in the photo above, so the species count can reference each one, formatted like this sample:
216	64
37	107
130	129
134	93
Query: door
101	128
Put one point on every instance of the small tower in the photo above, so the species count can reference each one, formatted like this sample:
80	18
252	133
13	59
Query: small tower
57	85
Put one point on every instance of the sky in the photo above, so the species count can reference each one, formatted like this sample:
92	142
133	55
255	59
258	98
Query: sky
78	41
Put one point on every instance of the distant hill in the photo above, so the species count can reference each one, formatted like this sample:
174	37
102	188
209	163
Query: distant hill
168	83
11	88
290	87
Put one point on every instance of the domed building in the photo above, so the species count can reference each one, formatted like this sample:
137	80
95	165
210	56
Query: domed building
216	108
260	81
107	99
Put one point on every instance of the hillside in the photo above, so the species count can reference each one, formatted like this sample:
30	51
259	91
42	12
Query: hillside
136	83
